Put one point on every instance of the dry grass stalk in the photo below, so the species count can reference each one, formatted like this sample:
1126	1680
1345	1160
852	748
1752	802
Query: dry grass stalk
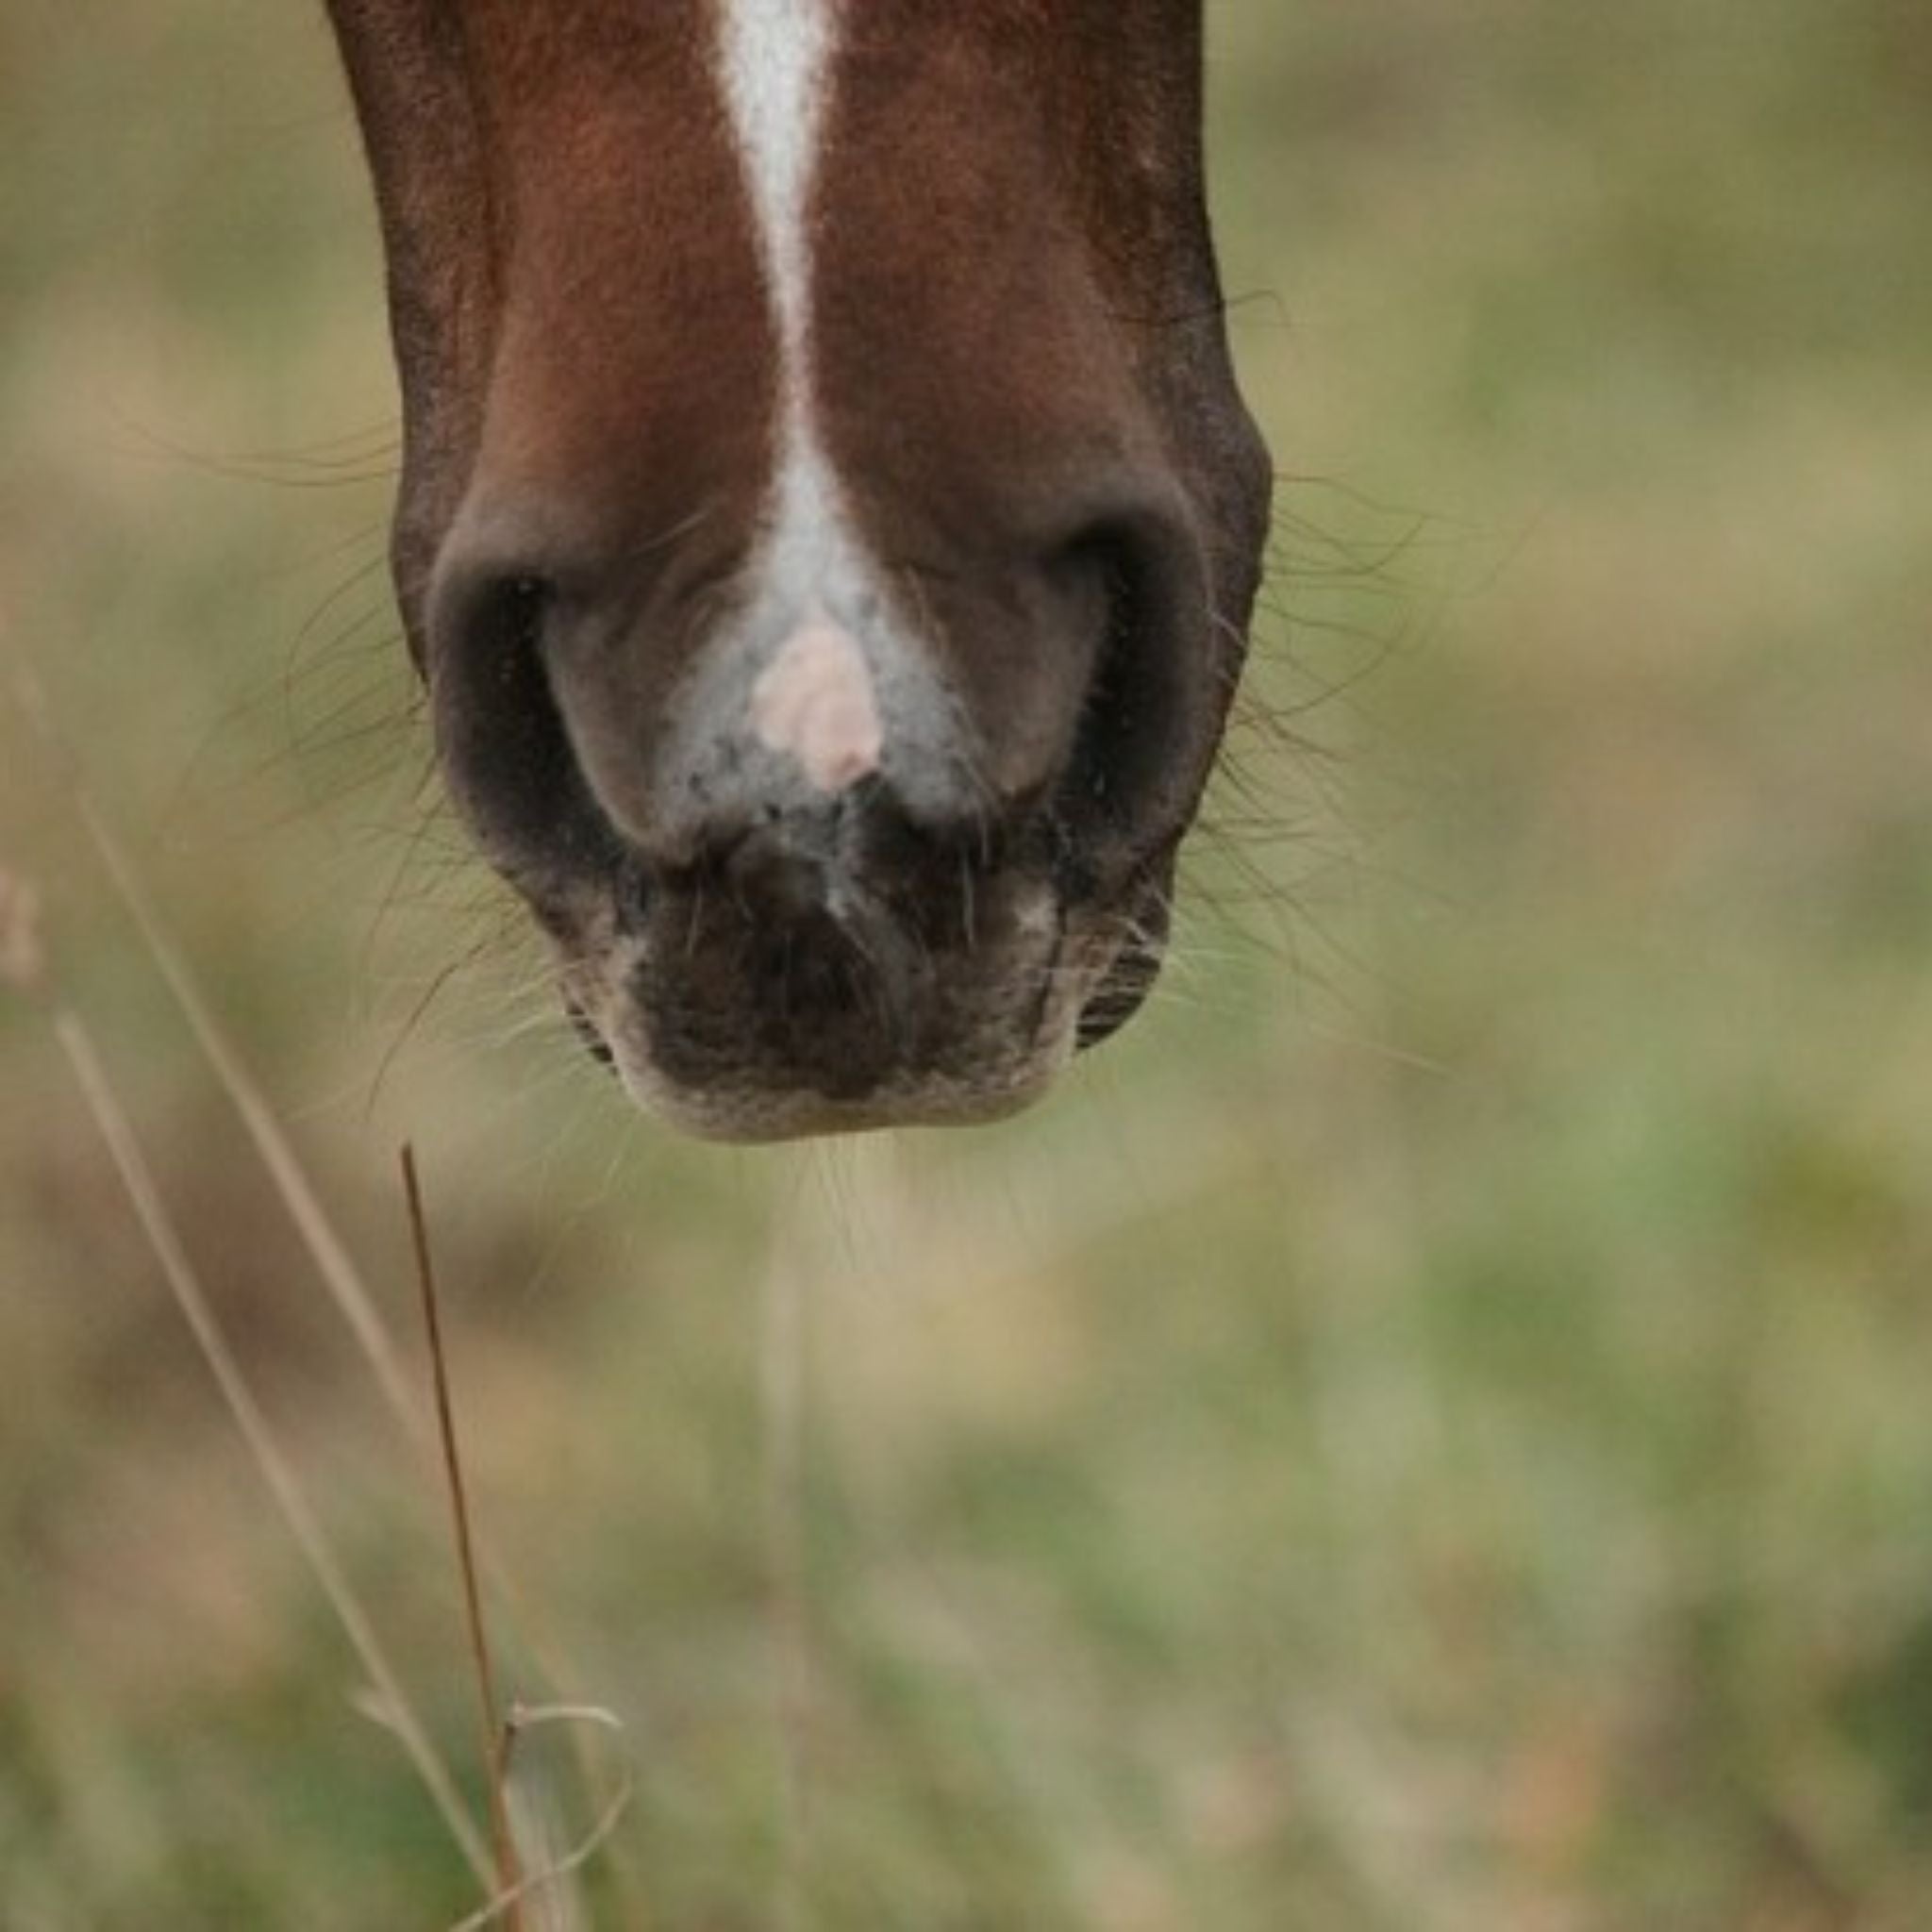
547	1892
496	1733
340	1274
277	1472
22	964
783	1324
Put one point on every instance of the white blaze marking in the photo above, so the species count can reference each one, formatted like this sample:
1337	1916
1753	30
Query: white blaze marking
777	68
815	701
815	697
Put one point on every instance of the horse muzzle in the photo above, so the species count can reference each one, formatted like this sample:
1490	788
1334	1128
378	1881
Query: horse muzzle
802	875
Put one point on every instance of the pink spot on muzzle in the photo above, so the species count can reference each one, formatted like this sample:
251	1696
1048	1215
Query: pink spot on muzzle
815	700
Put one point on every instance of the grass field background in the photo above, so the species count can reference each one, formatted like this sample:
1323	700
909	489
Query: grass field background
1433	1429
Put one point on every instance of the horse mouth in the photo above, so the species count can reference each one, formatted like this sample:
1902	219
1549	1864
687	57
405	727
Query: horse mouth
780	996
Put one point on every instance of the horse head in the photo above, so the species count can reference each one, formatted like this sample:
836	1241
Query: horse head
829	521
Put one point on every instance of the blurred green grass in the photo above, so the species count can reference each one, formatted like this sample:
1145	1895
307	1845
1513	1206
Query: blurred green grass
1427	1431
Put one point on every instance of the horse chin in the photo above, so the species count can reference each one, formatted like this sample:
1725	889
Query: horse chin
757	1113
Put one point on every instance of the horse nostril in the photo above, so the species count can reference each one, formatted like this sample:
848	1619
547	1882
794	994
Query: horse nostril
484	607
500	729
1139	749
521	602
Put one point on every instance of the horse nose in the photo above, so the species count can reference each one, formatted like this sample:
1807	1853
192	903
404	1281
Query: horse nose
803	729
666	706
789	726
1007	682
